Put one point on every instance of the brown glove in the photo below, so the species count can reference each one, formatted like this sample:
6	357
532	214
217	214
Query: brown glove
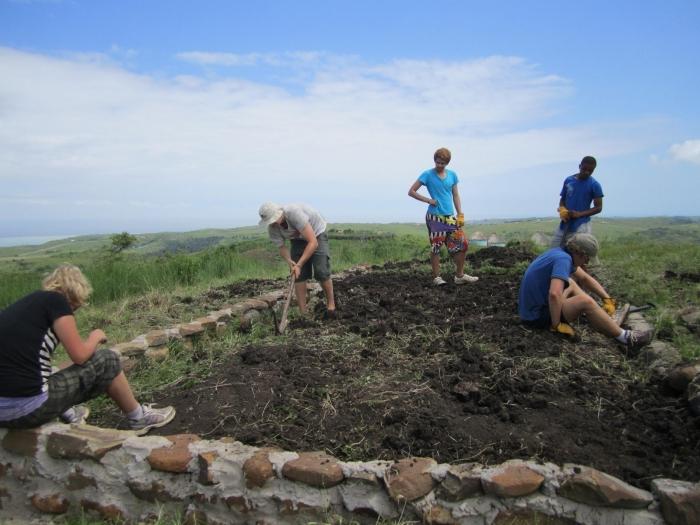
564	329
460	220
563	213
609	305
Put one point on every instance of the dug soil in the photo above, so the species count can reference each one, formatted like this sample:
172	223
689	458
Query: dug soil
408	369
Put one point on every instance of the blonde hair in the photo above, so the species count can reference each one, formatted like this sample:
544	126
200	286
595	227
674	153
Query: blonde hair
70	281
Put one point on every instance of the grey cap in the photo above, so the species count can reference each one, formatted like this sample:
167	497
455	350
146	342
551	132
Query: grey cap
584	243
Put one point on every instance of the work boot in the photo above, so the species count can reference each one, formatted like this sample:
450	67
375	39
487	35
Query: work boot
330	315
466	278
638	339
152	418
439	281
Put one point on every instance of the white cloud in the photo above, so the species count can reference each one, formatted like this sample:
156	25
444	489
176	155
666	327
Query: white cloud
687	151
350	138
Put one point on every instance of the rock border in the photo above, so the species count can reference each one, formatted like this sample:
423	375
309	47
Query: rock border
60	469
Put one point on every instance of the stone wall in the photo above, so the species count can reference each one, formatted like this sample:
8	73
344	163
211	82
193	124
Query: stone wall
61	469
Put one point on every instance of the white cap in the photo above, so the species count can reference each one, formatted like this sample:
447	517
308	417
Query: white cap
269	212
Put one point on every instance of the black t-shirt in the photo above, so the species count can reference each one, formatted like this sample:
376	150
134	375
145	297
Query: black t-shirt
27	342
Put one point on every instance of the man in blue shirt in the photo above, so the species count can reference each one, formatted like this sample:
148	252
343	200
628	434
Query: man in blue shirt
576	196
552	294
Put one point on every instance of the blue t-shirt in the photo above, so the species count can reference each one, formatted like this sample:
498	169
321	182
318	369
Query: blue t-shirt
578	195
533	300
440	190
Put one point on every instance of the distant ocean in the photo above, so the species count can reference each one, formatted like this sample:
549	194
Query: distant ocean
30	240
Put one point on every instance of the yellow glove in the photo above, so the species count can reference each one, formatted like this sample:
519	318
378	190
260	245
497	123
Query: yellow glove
460	220
564	329
563	213
609	305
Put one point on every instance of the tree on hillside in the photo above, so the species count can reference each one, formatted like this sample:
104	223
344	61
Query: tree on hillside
121	241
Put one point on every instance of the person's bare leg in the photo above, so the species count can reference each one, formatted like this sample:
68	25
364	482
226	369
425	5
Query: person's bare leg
435	264
327	286
459	258
577	302
120	391
300	292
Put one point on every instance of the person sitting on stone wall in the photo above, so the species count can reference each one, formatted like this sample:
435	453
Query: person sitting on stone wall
552	294
30	331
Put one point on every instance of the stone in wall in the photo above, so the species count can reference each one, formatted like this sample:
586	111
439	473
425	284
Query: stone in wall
191	329
437	515
680	501
317	469
592	487
84	441
132	348
511	479
409	479
153	492
76	480
205	460
248	319
660	357
157	338
258	469
679	378
50	503
22	442
208	323
460	482
174	458
109	511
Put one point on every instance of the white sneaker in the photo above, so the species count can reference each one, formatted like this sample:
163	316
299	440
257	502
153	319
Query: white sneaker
439	281
152	418
466	278
76	415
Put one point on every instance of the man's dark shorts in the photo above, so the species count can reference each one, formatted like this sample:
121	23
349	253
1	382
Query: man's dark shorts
320	261
71	386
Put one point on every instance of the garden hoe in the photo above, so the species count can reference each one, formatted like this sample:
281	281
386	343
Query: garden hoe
283	322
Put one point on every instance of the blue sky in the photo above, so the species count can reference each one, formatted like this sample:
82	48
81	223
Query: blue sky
172	115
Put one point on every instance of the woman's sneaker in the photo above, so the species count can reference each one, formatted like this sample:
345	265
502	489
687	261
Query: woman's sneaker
152	418
466	278
439	281
76	415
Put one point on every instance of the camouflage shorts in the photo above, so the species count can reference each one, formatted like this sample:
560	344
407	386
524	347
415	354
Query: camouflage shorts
72	386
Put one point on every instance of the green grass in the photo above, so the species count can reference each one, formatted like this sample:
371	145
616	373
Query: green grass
635	271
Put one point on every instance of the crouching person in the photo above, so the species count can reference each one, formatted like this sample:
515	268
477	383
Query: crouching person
306	230
553	294
30	331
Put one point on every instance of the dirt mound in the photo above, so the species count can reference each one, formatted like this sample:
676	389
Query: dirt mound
450	373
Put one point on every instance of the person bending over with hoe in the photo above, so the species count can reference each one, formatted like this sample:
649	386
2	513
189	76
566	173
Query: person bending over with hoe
306	230
576	196
443	226
30	331
552	294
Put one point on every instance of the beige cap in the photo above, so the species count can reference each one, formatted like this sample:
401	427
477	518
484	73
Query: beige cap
269	212
584	243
